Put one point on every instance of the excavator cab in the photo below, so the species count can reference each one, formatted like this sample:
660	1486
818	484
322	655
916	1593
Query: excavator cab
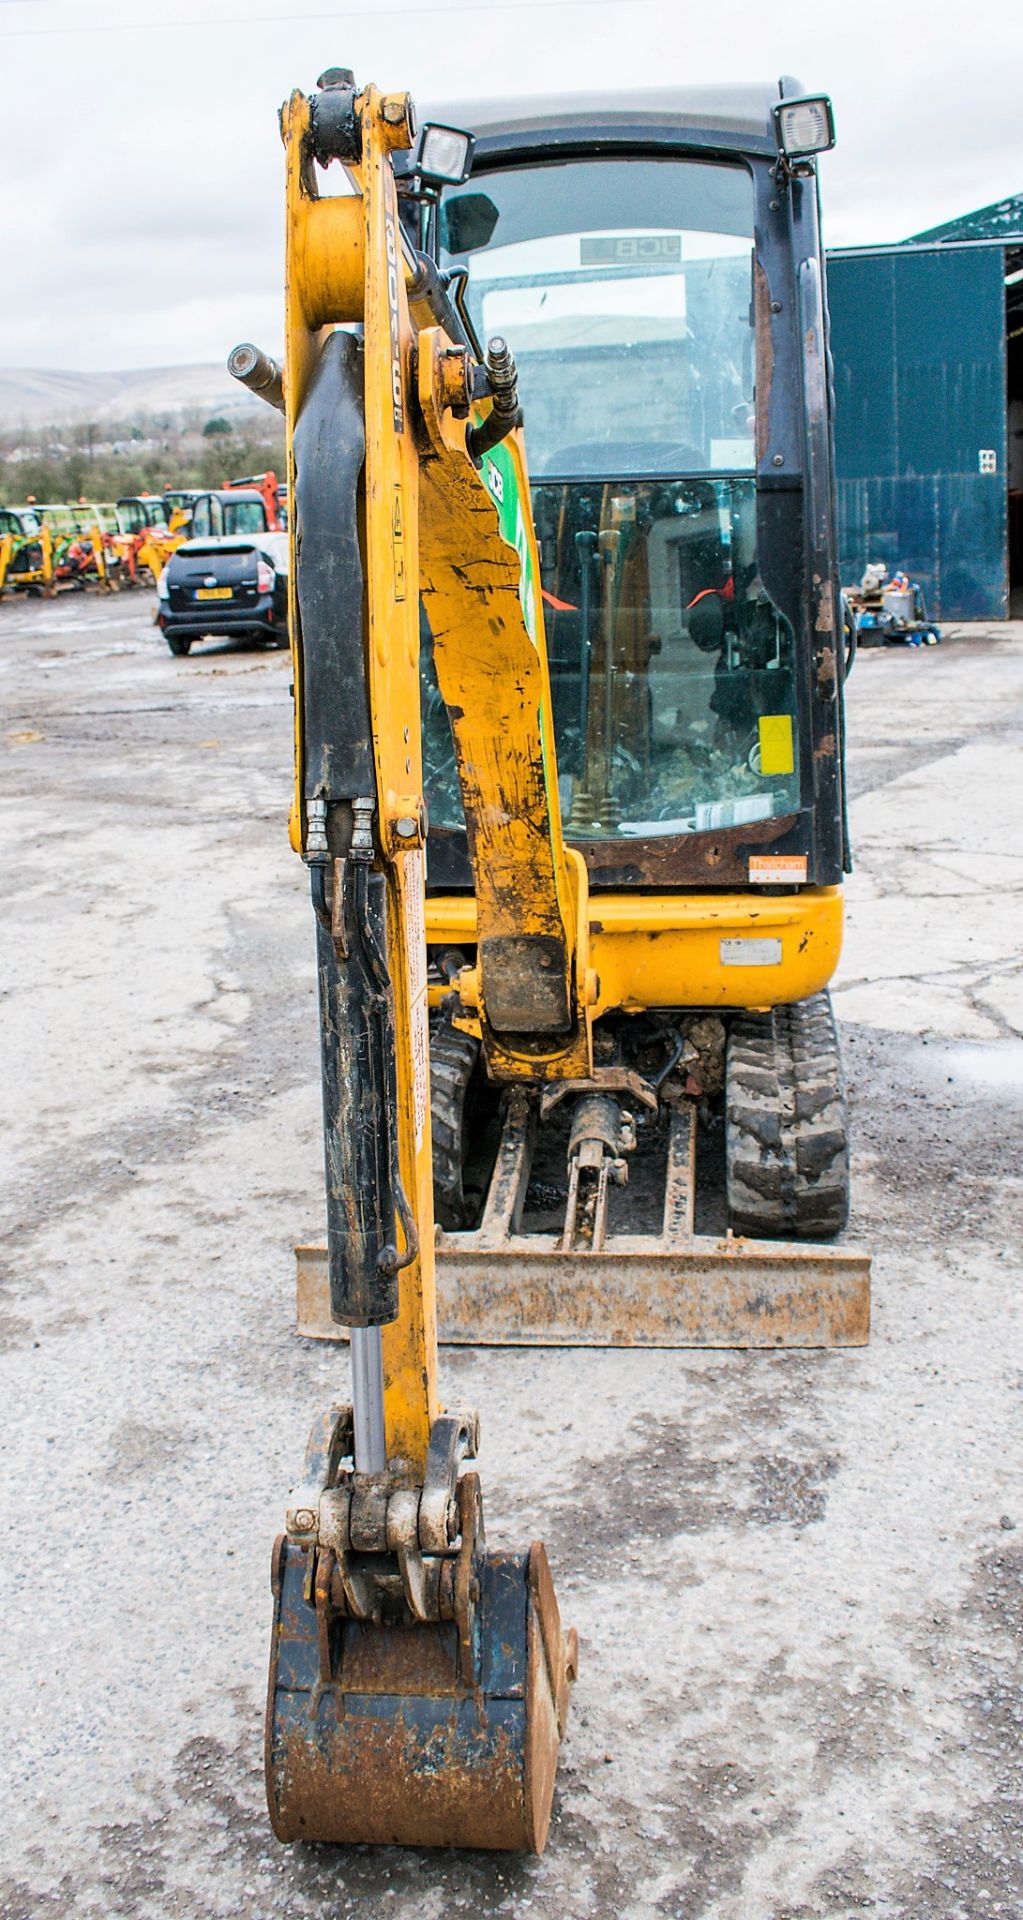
655	264
568	789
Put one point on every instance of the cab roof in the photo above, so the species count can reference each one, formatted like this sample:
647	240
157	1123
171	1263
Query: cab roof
737	116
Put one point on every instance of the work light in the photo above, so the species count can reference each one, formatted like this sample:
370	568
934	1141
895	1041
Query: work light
804	126
445	154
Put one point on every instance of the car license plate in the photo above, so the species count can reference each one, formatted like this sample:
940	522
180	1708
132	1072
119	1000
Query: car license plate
213	593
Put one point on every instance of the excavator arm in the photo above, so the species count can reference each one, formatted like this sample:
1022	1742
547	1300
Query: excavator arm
418	1683
531	988
447	517
408	475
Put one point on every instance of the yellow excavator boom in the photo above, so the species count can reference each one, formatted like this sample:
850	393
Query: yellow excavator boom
419	1683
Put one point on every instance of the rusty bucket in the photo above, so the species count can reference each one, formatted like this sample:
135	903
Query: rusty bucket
407	1734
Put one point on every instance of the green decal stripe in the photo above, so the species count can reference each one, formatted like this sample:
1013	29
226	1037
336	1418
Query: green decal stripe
514	515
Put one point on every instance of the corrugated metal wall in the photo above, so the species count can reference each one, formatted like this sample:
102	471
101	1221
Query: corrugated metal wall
918	338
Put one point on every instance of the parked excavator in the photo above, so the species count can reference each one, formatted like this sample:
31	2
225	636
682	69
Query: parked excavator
26	551
568	786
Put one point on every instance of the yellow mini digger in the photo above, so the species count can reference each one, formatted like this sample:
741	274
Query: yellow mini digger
569	790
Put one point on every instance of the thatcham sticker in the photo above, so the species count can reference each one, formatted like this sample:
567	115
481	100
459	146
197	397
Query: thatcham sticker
777	869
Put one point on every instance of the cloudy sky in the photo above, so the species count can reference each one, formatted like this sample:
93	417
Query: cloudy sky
141	165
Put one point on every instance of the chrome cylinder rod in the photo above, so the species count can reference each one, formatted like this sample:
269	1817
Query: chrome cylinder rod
368	1400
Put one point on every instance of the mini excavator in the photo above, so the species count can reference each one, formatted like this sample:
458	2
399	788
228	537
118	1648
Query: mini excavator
568	785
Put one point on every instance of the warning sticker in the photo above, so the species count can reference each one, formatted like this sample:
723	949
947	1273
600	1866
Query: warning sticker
413	900
413	897
420	1066
398	546
776	755
777	869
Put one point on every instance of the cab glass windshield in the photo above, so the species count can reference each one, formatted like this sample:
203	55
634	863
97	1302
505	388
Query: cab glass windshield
624	288
212	517
244	516
671	671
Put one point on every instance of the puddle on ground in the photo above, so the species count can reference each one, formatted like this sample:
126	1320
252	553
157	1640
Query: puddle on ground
998	1063
89	654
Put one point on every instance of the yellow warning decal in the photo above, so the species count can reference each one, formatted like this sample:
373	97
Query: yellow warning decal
776	754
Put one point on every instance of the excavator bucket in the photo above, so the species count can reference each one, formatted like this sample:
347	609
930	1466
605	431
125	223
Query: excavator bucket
418	1684
402	1735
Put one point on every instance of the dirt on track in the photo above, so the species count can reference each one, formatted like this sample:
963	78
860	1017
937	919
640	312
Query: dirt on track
797	1578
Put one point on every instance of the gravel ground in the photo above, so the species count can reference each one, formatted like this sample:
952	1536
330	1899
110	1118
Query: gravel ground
798	1578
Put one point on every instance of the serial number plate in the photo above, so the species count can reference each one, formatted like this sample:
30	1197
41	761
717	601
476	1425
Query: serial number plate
744	952
213	593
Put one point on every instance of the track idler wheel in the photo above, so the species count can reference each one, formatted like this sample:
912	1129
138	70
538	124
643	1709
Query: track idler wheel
453	1056
395	1734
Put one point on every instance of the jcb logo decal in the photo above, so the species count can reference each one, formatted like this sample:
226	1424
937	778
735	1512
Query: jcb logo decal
392	307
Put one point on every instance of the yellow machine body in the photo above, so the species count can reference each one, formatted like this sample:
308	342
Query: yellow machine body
41	575
651	951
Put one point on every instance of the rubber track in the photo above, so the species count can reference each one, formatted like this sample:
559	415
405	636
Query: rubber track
786	1138
453	1056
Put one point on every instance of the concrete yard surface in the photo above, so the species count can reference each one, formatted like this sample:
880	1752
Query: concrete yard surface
797	1577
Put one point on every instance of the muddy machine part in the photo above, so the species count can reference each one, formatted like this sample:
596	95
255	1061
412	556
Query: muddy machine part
418	1681
602	1279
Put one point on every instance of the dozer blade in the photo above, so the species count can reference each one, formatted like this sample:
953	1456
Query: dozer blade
396	1735
498	1286
636	1293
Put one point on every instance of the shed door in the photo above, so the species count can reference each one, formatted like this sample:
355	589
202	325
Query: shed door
918	338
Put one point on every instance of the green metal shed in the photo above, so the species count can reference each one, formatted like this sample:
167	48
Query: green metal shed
926	338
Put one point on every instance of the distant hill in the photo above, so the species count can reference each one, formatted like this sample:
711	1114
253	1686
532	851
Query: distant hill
35	396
